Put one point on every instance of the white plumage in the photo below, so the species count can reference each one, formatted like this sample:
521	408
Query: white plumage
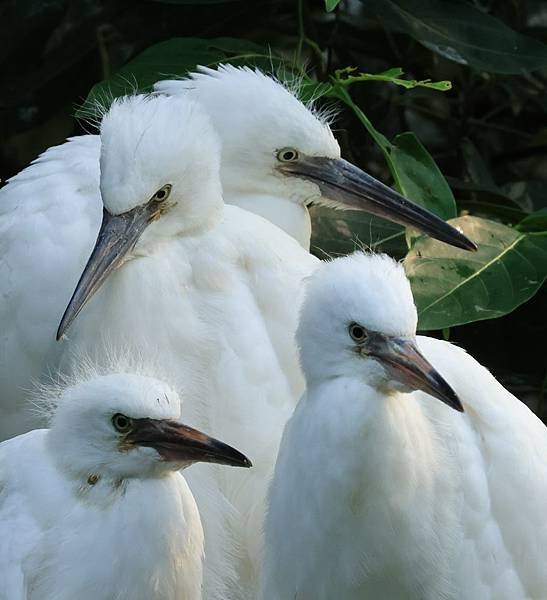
244	104
50	214
381	493
94	507
212	292
258	118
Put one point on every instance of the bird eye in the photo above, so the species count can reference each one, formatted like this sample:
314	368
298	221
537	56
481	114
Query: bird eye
121	423
287	155
357	333
162	194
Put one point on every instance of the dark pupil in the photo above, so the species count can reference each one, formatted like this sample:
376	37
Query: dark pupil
288	155
121	422
358	332
160	195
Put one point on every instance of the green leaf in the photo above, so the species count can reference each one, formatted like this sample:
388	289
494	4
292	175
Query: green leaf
330	5
419	178
415	173
453	287
462	33
537	221
341	93
345	77
336	232
175	57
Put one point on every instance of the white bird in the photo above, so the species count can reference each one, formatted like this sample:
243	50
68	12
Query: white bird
278	156
265	130
381	493
210	291
95	507
202	290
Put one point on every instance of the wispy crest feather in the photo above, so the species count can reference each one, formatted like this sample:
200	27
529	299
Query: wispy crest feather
47	394
92	111
291	79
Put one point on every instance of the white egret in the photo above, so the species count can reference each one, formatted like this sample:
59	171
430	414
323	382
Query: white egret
51	211
279	156
203	288
95	507
381	493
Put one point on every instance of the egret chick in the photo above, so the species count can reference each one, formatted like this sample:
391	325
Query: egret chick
384	492
200	285
95	507
166	269
279	156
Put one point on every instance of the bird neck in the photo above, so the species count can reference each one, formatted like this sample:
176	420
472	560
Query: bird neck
99	485
208	220
291	217
373	474
98	490
182	222
377	437
104	490
145	542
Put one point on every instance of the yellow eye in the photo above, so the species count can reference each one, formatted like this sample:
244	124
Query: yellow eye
122	423
162	194
287	155
357	333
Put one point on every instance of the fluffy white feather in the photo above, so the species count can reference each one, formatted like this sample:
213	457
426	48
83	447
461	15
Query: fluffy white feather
255	117
68	494
211	294
383	494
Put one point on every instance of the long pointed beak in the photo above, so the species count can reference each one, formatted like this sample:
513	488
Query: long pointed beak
351	188
177	443
409	366
117	236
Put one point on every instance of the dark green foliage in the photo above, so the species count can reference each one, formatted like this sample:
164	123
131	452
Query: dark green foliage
461	32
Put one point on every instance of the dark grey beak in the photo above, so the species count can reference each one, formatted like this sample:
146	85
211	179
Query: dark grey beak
117	236
178	443
351	188
409	366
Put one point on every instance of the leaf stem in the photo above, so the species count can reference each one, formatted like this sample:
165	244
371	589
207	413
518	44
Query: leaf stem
385	145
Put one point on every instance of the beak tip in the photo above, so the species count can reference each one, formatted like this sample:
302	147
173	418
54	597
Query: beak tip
230	456
451	399
457	239
63	326
468	244
242	461
408	365
459	406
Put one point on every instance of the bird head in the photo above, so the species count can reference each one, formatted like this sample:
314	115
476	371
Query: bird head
359	321
159	178
275	146
120	426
